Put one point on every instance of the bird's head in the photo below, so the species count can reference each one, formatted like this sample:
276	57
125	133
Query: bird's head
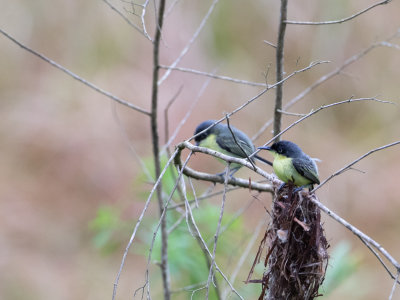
201	127
284	148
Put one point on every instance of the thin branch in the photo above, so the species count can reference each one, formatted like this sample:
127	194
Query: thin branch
188	288
156	154
197	231
379	258
194	37
187	115
76	77
171	7
244	255
144	7
140	30
198	240
345	168
341	20
280	69
291	113
335	72
237	214
166	114
390	45
196	201
313	112
212	75
217	232
356	231
325	78
160	224
236	142
394	285
176	224
228	159
133	235
311	65
270	44
203	197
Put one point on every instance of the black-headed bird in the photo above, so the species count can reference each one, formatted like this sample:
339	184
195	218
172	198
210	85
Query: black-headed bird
292	164
220	138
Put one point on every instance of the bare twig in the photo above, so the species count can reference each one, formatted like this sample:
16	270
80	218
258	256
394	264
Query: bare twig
189	287
325	78
270	44
182	189
313	112
73	75
244	255
166	115
228	159
141	30
196	201
156	153
291	113
203	197
345	168
159	225
212	75
341	20
217	232
189	44
236	142
394	285
133	235
311	65
379	258
357	232
187	115
171	7
197	231
280	69
237	214
390	45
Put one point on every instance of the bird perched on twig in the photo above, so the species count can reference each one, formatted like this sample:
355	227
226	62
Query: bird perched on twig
220	138
292	164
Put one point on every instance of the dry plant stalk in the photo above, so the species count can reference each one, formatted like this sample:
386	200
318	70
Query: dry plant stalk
297	255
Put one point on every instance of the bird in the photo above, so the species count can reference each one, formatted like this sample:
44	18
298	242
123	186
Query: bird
291	164
220	138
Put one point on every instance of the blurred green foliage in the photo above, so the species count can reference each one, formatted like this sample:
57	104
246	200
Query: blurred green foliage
342	264
105	227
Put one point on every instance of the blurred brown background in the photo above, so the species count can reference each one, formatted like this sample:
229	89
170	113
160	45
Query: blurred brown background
64	153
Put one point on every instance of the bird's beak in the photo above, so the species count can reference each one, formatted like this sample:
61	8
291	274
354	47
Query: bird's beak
265	148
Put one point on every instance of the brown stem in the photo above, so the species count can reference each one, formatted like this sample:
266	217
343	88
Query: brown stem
280	69
156	152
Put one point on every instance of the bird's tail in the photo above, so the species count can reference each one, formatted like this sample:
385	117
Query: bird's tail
263	160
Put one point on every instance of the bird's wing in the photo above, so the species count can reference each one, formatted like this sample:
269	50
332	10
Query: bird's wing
307	168
226	142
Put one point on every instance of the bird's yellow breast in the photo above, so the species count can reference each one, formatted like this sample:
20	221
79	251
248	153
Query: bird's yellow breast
211	143
284	169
